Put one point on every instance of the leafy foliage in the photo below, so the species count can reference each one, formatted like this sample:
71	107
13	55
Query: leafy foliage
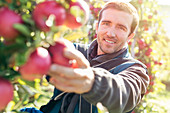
148	46
16	52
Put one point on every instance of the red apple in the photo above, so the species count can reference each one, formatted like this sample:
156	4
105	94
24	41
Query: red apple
129	43
56	52
148	65
160	63
8	1
44	9
146	28
140	1
91	7
151	83
37	65
6	93
142	44
148	52
7	19
151	77
150	17
72	21
156	62
74	64
137	54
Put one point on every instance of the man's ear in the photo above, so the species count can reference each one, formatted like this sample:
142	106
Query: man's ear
130	36
97	25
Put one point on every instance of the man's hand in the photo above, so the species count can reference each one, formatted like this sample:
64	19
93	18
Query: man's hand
78	80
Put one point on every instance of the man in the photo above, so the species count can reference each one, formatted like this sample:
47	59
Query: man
107	74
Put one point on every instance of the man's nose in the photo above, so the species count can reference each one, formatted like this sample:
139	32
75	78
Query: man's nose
111	32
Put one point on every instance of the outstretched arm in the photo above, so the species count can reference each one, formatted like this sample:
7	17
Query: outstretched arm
121	92
77	80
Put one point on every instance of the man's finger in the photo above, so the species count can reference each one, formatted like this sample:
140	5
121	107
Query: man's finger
63	86
63	71
78	56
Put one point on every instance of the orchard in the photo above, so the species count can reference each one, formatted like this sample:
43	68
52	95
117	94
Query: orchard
30	31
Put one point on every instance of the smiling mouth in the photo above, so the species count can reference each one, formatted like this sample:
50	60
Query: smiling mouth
111	42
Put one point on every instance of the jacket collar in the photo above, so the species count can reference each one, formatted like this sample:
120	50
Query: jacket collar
92	53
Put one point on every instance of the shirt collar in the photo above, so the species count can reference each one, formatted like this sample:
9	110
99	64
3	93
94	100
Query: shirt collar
92	53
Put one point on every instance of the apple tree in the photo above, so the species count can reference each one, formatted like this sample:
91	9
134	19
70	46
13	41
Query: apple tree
28	33
149	46
29	29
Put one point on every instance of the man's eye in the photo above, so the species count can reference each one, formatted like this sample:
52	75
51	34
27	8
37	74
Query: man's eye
105	23
122	28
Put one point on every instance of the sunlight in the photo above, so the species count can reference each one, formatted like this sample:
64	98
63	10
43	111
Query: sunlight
163	2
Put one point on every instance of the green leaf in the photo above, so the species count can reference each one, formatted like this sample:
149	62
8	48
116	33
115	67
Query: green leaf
28	19
11	50
23	29
9	74
21	58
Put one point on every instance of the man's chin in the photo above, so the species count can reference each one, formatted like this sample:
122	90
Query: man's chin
108	51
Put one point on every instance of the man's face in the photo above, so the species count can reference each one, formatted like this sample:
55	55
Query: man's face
113	31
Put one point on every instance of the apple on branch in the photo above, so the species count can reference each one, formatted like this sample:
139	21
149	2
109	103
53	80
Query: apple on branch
37	65
43	11
77	14
7	20
56	52
6	93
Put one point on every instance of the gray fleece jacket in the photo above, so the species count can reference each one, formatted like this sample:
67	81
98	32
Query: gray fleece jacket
119	92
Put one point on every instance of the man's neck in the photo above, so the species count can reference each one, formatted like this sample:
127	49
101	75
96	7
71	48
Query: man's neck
100	52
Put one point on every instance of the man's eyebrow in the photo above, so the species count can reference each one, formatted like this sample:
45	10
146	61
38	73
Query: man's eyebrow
119	24
106	21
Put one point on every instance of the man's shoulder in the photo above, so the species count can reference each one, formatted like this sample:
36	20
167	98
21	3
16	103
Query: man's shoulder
132	60
125	63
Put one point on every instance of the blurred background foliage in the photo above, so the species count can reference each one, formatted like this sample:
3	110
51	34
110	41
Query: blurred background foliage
150	45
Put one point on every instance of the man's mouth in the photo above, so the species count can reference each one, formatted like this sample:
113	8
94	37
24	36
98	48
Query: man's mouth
109	41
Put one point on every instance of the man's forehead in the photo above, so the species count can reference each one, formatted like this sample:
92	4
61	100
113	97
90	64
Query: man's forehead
117	16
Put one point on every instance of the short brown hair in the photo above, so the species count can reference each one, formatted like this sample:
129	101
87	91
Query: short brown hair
122	6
